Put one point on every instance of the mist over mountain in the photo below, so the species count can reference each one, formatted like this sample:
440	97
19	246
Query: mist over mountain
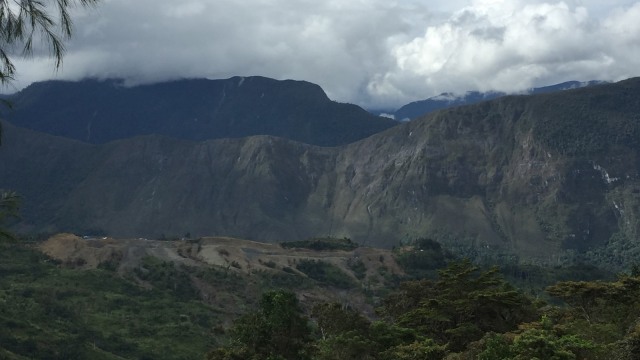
97	112
447	100
536	177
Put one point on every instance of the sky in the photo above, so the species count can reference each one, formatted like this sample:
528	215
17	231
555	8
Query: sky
379	54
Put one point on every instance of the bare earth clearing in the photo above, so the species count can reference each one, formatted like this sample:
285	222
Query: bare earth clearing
241	257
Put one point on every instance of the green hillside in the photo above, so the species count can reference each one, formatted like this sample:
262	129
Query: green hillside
72	308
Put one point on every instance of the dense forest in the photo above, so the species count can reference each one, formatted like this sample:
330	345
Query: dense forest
465	313
443	308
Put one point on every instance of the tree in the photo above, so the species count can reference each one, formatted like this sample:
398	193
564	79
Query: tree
333	319
344	333
418	350
277	330
601	311
23	20
460	306
9	202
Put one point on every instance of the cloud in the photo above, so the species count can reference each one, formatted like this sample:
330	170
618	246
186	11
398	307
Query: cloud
510	45
376	53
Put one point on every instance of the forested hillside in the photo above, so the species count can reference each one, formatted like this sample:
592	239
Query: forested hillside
150	304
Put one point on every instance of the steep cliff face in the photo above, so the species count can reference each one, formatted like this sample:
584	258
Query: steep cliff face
537	177
530	175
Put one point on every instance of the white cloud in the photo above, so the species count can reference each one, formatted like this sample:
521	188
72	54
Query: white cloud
376	53
509	45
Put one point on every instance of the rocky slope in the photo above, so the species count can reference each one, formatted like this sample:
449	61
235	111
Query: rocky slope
237	255
354	272
539	177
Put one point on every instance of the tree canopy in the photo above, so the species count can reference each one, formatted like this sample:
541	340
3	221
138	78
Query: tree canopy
9	203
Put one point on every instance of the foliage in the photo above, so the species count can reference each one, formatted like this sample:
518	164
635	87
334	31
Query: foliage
358	267
460	306
496	346
535	343
164	275
49	312
9	204
535	279
465	312
588	121
277	330
333	319
422	257
21	21
321	244
601	310
343	331
468	312
349	345
287	279
347	334
418	350
545	344
326	273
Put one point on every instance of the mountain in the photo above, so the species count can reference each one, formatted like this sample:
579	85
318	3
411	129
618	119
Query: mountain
447	100
540	178
101	111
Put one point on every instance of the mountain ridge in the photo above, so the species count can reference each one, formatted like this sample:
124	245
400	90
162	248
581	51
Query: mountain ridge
446	100
99	111
524	176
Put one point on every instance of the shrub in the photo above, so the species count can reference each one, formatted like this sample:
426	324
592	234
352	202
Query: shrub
320	244
325	273
357	266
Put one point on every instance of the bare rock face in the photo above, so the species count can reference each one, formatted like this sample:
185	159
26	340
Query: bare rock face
535	177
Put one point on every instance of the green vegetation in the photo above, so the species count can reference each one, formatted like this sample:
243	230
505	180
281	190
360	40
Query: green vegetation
589	121
325	273
287	279
422	257
277	330
322	244
164	275
460	306
20	24
533	279
160	310
9	204
50	312
465	313
358	267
